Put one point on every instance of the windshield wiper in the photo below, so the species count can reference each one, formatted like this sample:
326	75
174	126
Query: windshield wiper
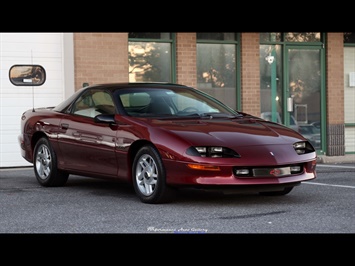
211	115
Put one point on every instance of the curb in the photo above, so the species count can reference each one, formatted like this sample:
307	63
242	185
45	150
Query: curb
348	158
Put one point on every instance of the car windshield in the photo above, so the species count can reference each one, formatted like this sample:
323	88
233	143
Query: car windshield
174	102
65	104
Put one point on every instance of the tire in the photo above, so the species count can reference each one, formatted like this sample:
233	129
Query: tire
149	177
45	165
285	191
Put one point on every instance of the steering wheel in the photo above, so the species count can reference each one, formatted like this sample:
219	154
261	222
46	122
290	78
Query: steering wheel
190	109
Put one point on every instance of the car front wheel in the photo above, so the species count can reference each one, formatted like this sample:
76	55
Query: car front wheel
149	177
45	165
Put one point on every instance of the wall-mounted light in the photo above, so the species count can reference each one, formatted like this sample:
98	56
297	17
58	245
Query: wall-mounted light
270	59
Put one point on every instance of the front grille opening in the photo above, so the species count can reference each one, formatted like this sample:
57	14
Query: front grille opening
272	171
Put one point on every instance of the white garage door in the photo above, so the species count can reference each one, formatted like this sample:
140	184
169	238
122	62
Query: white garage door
45	49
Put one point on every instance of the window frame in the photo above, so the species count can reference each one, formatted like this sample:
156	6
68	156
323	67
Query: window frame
235	42
172	42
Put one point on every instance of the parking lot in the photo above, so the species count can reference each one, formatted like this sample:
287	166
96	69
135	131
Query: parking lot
85	205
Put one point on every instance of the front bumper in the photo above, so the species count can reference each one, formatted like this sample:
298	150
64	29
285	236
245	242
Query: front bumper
178	173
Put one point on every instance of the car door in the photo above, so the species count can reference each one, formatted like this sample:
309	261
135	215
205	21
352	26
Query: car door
87	146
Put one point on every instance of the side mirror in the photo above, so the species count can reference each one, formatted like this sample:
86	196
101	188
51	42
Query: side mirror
107	119
27	75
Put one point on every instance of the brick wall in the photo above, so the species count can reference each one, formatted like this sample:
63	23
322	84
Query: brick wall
100	58
250	74
186	59
335	78
335	94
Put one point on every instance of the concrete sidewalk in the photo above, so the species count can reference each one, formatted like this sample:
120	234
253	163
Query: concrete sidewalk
348	158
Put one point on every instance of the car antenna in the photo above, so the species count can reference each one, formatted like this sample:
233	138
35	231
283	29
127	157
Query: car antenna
33	90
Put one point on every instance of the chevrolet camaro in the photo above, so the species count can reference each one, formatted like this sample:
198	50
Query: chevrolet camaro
162	137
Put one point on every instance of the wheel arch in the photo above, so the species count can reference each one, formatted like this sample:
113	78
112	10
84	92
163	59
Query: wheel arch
134	148
36	136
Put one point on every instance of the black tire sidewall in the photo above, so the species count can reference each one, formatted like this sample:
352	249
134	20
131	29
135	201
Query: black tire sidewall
160	186
51	179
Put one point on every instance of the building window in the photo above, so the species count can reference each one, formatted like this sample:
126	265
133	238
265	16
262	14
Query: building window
349	37
217	65
150	56
290	37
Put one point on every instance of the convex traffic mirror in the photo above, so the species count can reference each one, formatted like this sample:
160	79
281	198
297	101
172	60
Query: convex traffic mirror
27	75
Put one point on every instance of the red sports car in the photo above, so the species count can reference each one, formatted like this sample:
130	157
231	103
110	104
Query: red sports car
161	137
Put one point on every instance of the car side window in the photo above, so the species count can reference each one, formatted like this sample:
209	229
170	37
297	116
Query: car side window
94	103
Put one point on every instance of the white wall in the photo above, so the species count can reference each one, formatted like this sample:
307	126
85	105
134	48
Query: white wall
349	98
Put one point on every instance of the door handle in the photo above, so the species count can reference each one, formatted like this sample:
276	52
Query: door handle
64	126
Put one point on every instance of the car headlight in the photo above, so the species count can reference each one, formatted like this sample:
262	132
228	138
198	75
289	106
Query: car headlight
303	147
212	151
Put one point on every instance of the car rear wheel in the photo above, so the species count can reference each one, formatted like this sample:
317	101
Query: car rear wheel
285	191
45	165
149	177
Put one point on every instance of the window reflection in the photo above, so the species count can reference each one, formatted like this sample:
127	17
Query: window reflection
290	37
302	37
216	71
271	80
216	65
149	62
270	37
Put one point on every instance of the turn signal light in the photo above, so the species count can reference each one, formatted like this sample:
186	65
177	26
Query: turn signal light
204	167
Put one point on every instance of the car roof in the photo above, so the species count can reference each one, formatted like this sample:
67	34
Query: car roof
125	85
117	86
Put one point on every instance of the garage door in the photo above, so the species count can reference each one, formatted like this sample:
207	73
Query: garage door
45	49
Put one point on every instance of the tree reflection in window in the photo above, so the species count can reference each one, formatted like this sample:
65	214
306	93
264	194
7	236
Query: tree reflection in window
290	37
216	62
216	59
150	60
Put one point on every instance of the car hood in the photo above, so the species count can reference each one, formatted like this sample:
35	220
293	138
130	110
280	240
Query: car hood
242	131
